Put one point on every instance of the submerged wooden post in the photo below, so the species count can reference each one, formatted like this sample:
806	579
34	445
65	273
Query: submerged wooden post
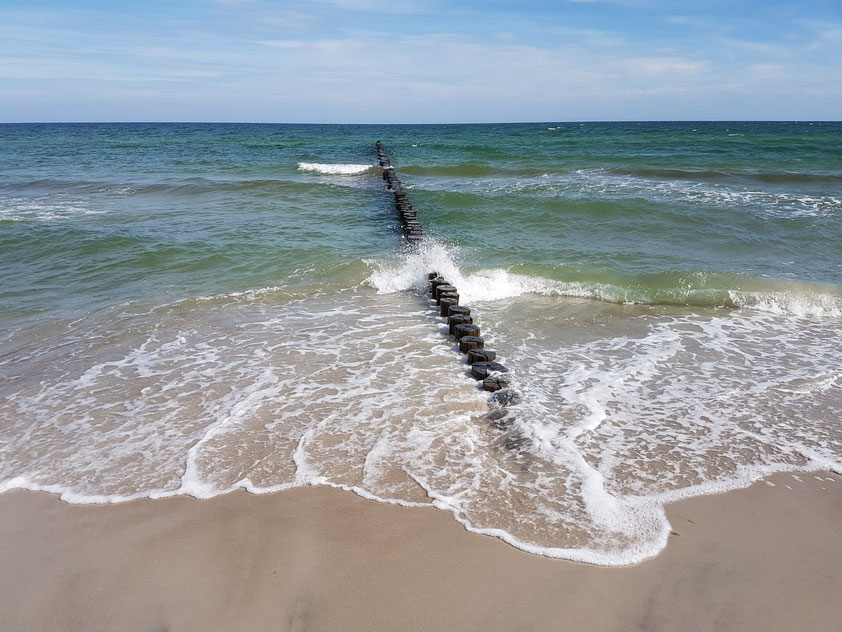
495	383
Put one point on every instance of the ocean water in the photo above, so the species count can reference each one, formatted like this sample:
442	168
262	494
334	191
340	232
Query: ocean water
195	308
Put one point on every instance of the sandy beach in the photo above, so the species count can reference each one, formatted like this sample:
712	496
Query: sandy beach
763	558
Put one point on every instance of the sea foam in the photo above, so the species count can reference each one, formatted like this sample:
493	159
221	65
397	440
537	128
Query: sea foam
334	169
358	389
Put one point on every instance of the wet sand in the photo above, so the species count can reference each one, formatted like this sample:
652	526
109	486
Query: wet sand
764	558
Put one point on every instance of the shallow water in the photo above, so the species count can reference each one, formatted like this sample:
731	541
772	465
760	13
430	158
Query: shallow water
188	309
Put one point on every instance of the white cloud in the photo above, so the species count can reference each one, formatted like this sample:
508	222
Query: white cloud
763	49
649	66
370	6
282	43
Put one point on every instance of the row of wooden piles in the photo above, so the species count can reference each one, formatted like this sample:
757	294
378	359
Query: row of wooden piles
460	322
460	325
407	216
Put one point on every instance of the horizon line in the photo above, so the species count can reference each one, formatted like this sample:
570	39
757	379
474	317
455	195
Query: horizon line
548	121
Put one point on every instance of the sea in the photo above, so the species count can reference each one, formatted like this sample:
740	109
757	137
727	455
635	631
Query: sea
190	309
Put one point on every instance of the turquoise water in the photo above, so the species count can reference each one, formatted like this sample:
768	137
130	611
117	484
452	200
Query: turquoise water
190	308
658	210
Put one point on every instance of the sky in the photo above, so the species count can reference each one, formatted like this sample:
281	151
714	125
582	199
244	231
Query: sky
419	61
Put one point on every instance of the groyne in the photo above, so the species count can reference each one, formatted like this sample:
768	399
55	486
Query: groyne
460	320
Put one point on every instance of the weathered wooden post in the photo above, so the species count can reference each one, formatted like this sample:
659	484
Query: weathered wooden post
458	319
444	295
441	288
437	282
468	343
480	370
465	330
446	301
481	355
495	382
459	309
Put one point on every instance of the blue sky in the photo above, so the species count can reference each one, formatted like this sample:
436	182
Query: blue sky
419	61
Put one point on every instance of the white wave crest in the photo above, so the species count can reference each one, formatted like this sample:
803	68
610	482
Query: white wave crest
334	170
410	271
45	209
806	305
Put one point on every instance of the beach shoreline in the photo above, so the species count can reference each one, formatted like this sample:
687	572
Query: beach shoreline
765	557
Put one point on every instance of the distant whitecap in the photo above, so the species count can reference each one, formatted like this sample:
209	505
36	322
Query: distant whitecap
334	170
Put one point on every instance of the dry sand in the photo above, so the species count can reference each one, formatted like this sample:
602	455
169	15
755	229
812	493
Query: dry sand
764	558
